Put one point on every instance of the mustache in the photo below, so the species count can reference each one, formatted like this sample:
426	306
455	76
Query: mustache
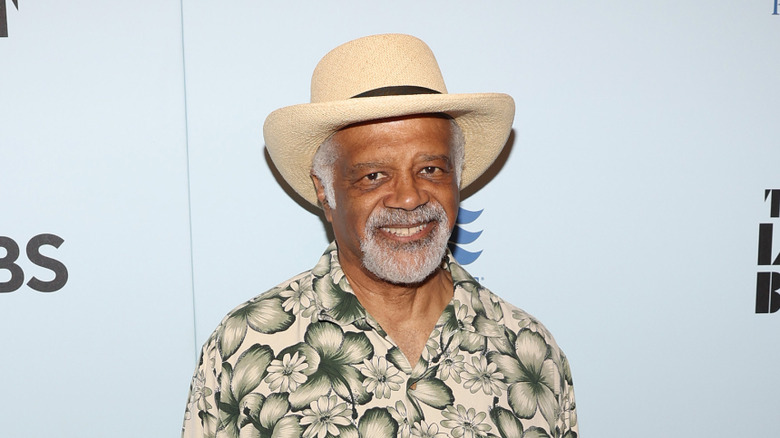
422	214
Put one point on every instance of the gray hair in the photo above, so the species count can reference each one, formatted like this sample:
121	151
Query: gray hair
325	158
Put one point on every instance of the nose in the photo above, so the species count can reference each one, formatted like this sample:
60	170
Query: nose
407	194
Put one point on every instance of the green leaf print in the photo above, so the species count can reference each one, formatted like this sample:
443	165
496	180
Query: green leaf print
233	332
250	370
433	392
239	406
507	424
228	406
377	423
274	408
343	306
306	360
265	315
287	427
536	432
263	417
397	358
487	327
268	316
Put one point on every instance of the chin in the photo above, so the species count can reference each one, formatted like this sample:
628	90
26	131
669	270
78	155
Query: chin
410	265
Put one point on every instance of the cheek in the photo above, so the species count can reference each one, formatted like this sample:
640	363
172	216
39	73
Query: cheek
452	211
450	199
357	209
349	218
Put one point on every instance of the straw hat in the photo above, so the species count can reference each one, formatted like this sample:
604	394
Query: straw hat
378	77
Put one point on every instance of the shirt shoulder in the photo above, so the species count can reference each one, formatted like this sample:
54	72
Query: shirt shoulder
270	312
510	329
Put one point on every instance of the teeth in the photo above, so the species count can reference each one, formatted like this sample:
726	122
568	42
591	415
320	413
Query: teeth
403	232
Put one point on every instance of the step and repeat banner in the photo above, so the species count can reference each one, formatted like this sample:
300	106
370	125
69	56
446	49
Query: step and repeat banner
635	210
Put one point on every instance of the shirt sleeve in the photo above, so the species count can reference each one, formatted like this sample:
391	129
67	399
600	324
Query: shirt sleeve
567	420
200	417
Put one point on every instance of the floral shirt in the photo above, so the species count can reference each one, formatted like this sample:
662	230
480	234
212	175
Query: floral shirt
306	359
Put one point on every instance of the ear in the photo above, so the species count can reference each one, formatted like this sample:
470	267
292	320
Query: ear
321	197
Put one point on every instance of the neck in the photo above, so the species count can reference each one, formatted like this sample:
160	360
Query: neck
407	312
412	300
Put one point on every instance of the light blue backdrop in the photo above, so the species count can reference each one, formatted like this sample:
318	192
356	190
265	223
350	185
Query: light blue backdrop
625	216
93	150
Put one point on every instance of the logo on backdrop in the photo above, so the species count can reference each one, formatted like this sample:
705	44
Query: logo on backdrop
4	17
777	2
462	237
8	263
768	280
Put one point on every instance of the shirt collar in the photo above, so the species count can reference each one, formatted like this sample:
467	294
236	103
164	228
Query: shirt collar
337	302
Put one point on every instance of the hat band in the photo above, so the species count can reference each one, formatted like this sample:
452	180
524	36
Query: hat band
396	90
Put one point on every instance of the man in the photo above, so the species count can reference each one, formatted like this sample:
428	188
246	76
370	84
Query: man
387	335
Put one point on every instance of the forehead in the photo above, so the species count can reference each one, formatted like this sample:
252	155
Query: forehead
409	135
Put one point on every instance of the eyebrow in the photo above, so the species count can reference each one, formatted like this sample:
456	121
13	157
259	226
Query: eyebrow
358	168
436	157
373	164
368	165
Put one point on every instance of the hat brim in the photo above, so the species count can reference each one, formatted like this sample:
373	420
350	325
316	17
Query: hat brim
293	134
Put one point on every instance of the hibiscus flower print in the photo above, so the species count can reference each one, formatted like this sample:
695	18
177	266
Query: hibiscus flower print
531	376
306	360
244	412
381	377
337	356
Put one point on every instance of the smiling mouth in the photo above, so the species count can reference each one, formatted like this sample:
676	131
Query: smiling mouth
404	231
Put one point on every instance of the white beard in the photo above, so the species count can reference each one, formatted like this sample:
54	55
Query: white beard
405	263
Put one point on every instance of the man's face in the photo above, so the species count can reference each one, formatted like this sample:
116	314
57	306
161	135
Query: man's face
396	196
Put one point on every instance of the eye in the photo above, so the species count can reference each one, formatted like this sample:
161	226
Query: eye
374	176
430	170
